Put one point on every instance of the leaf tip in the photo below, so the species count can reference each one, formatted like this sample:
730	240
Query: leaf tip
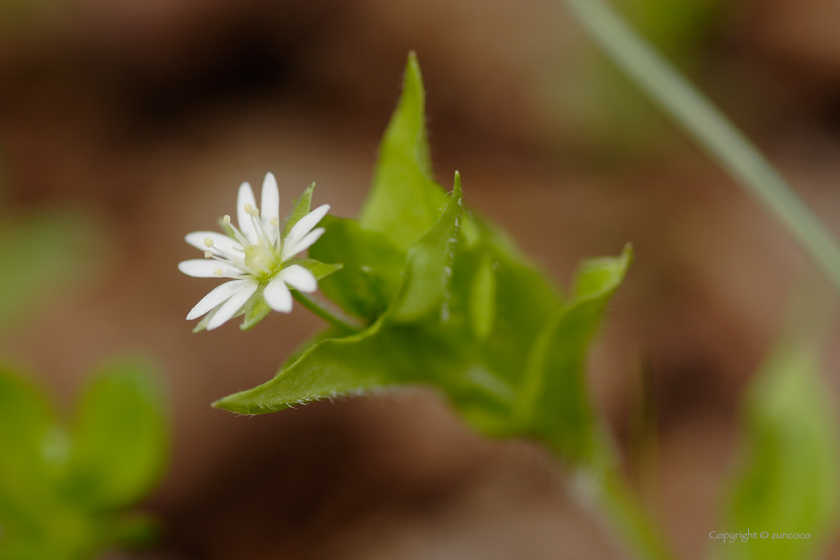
456	189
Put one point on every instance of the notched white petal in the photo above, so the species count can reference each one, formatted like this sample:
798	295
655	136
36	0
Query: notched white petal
207	268
308	240
223	242
233	305
303	227
270	206
218	295
299	278
246	197
277	295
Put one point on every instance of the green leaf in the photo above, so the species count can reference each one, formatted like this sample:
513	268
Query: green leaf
788	482
300	208
429	266
554	403
121	436
372	272
26	421
404	202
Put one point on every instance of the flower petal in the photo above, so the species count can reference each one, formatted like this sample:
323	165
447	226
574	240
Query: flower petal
298	278
218	295
206	268
234	304
308	240
300	229
277	295
223	242
270	206
246	226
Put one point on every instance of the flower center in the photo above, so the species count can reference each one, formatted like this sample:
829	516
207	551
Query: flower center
260	259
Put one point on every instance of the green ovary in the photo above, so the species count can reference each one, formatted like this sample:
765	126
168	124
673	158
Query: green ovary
260	259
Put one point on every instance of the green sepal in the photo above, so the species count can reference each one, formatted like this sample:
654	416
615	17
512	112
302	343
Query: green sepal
318	269
255	309
300	208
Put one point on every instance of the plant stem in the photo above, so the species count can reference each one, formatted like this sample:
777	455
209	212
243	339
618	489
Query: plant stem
600	488
322	310
698	117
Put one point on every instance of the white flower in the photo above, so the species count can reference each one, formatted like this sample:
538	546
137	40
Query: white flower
254	256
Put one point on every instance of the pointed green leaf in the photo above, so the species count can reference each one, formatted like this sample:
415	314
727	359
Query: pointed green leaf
404	201
372	271
121	436
554	403
300	208
429	266
788	483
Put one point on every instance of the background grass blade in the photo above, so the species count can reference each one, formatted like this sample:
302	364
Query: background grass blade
695	114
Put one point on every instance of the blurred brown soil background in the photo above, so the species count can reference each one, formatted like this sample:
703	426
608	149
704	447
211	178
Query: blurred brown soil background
149	115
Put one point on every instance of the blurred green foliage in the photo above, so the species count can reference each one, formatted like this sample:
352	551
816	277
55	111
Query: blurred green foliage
788	482
45	255
65	487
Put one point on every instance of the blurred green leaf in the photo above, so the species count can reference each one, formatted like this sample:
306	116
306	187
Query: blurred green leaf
51	505
372	269
120	436
404	201
25	422
788	482
43	257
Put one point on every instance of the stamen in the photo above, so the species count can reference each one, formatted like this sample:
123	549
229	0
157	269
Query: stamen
236	233
238	265
273	221
258	225
218	272
208	255
249	209
226	219
208	242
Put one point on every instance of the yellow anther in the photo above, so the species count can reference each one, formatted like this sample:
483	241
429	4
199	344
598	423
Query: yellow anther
218	272
273	221
251	210
208	255
208	242
226	219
